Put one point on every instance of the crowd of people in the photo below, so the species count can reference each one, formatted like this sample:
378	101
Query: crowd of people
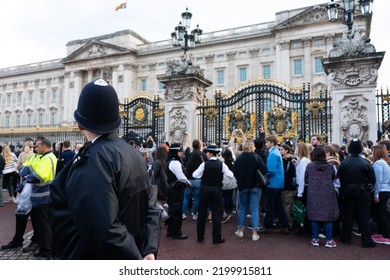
108	199
344	189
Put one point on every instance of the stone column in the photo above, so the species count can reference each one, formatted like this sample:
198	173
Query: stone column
352	69
185	88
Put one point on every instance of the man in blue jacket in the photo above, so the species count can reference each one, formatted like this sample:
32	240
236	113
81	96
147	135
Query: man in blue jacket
275	176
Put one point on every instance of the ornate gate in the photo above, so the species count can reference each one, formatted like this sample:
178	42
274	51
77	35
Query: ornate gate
142	117
383	113
288	112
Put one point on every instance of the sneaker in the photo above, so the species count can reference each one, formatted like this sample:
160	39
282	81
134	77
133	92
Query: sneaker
239	233
356	232
194	216
376	235
255	237
184	216
382	240
330	244
315	242
226	219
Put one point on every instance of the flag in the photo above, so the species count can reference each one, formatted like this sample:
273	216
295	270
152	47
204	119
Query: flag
120	6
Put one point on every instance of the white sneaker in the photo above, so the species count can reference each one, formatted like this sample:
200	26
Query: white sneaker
239	233
184	216
255	237
194	216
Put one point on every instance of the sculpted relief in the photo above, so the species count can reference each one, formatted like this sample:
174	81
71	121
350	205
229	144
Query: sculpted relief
354	76
178	124
354	121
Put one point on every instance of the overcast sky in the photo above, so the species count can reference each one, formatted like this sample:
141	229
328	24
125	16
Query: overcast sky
38	30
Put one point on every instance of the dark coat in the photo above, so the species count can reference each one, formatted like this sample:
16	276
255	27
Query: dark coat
245	170
321	195
160	179
99	204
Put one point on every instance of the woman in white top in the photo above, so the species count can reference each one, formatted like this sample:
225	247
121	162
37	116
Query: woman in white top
9	171
303	155
381	192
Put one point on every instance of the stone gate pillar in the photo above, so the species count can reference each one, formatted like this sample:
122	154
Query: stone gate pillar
352	69
185	88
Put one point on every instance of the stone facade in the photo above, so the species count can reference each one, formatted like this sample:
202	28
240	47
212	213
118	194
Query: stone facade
288	49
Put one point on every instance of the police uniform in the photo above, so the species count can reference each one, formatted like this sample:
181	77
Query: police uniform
177	182
211	173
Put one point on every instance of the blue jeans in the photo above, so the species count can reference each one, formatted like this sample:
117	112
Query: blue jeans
192	193
253	197
315	228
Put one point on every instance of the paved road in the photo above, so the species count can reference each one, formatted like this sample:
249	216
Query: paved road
269	247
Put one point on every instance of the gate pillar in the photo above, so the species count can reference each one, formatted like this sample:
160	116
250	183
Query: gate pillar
185	88
352	69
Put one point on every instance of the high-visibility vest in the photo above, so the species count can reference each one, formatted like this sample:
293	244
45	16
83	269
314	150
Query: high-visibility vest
43	167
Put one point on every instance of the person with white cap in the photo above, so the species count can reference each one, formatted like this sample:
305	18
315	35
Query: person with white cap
211	172
99	202
356	180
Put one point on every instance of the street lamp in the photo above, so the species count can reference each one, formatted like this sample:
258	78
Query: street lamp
348	10
181	38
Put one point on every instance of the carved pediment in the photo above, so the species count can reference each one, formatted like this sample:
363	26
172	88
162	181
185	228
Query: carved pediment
308	16
94	49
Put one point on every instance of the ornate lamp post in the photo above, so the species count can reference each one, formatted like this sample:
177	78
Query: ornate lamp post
348	10
181	38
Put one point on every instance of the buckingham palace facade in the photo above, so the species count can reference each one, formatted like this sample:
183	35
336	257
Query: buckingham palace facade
40	98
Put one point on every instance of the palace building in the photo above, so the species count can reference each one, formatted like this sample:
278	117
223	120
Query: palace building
40	98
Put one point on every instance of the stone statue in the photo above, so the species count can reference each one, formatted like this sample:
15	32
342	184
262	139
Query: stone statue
352	46
185	66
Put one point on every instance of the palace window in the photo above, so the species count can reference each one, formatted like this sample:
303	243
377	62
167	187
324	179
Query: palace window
143	85
30	97
40	118
242	74
7	121
19	99
54	95
29	119
18	118
42	96
9	99
318	68
53	119
267	71
296	44
220	77
298	70
161	86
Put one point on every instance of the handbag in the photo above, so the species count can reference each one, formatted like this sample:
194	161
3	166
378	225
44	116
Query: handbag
298	212
261	179
229	183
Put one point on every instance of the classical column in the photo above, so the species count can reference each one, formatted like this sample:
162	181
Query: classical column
352	69
282	55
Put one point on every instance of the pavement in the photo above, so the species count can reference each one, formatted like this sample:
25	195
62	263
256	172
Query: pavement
273	246
7	230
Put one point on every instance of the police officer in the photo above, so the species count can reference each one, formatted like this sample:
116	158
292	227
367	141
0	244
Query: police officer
211	172
99	201
177	182
356	178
